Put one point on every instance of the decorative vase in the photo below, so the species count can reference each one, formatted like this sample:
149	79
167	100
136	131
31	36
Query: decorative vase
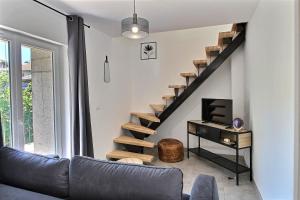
106	71
237	124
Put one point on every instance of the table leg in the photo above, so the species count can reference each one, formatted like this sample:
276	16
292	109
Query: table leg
237	166
251	163
188	145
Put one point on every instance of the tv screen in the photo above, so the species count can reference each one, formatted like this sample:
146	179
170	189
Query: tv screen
217	111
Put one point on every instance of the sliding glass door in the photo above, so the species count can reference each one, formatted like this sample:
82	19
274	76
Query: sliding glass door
27	104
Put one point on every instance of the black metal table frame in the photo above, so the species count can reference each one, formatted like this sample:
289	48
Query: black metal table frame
200	152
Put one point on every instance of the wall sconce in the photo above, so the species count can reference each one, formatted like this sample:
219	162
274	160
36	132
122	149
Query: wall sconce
106	71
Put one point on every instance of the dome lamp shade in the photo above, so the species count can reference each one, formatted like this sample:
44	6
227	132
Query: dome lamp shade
135	27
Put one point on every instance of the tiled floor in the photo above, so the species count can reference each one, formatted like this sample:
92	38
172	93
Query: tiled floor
227	188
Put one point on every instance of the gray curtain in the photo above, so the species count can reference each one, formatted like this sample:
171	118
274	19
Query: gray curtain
80	109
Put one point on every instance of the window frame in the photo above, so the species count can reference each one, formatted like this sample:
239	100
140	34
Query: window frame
16	40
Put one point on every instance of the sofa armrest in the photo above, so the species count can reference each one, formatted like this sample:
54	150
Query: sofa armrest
205	188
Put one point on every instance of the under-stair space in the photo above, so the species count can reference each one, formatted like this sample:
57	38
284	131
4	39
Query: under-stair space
135	143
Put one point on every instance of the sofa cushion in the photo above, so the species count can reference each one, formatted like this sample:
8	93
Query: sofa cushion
94	179
12	193
34	172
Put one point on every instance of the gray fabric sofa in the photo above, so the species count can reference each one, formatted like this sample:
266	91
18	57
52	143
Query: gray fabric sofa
26	176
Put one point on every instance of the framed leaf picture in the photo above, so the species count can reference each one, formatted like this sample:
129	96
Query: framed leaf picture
148	50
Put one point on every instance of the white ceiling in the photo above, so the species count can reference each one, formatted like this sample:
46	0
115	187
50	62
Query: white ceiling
163	15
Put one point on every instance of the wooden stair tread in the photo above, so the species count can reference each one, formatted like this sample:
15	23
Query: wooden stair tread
133	141
200	63
138	128
212	50
234	27
237	28
166	97
147	116
188	74
158	107
177	86
225	35
117	154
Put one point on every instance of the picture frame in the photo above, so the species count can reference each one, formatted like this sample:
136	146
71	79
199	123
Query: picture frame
148	50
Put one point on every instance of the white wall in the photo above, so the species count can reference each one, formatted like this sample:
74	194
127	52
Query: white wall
270	88
238	83
110	102
30	17
269	81
135	84
176	51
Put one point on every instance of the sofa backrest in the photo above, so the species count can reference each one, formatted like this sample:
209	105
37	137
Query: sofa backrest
93	179
34	172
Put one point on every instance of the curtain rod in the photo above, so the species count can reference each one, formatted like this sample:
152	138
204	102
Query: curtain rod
56	10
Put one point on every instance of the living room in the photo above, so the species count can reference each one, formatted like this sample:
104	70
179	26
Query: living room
88	87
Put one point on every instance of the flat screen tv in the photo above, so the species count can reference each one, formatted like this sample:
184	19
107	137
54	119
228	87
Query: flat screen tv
217	111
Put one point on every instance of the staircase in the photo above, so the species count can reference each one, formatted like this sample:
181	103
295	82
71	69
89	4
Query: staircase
134	146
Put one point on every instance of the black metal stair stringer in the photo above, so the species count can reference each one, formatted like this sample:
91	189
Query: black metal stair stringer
210	69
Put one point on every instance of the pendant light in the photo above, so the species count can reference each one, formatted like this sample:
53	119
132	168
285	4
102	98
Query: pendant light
135	27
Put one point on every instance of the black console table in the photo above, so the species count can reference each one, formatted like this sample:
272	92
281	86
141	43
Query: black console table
217	133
